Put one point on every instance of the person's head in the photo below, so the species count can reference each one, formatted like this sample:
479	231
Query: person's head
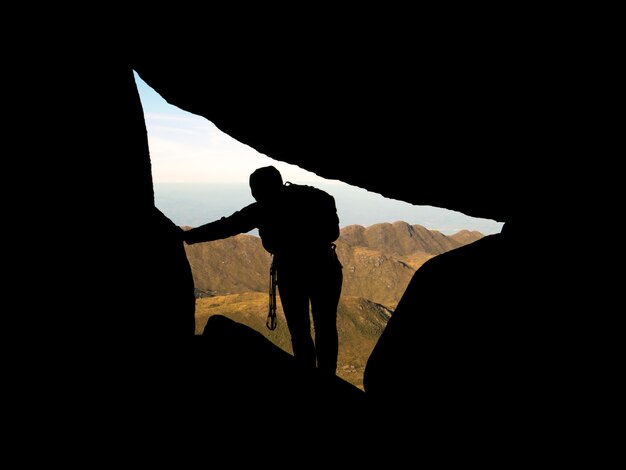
265	182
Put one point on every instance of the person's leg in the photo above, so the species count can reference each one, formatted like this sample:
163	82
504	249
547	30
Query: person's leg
326	290
295	302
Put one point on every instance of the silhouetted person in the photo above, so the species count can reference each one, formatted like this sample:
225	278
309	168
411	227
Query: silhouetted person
297	224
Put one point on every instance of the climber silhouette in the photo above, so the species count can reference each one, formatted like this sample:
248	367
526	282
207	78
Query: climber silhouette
297	224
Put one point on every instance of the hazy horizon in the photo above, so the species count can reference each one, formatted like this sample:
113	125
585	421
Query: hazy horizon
194	204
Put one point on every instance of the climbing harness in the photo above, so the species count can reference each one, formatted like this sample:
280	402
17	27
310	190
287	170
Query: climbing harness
271	316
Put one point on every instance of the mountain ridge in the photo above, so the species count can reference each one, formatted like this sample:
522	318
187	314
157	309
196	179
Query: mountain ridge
387	252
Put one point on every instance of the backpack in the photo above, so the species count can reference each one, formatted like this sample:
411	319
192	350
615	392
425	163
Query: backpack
319	210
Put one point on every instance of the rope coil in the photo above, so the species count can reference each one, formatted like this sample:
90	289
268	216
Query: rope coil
271	316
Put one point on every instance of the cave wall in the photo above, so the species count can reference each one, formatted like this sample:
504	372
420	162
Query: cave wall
474	110
446	113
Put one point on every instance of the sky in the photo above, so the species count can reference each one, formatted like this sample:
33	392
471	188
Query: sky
187	149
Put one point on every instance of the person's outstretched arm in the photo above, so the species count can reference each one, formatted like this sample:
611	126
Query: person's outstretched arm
240	222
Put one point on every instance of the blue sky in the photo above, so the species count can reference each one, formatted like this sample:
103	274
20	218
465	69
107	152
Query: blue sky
186	148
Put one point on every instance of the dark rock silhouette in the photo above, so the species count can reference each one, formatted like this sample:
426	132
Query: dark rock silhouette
465	338
258	375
